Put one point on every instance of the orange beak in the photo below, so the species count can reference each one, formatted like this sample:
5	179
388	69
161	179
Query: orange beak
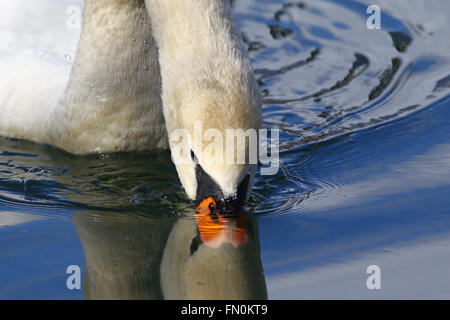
216	228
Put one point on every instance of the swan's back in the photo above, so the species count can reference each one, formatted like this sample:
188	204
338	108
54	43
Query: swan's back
37	44
90	90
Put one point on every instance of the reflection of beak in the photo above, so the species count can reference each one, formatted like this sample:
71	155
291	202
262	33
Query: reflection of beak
217	227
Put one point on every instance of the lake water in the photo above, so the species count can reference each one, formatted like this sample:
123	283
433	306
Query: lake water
364	178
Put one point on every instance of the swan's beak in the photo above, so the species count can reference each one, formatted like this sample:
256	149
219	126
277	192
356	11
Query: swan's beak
220	219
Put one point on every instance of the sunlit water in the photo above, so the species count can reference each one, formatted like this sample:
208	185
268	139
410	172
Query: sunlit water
364	177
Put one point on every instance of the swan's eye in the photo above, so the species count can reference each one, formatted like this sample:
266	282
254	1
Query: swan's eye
193	157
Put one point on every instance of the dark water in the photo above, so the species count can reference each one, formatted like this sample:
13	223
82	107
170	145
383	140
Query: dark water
364	178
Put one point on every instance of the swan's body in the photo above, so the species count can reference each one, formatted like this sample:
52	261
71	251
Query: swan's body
107	100
142	69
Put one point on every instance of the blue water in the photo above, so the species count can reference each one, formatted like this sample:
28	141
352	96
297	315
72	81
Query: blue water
364	177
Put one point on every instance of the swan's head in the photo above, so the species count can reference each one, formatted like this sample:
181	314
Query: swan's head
213	134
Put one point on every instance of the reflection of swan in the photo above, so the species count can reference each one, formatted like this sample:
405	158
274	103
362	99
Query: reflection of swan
193	270
123	255
129	257
110	99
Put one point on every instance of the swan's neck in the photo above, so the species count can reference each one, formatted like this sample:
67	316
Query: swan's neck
112	101
197	40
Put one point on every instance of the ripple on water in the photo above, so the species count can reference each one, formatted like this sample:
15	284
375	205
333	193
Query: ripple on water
50	179
325	83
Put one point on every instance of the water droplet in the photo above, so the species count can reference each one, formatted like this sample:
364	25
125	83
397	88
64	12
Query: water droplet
126	12
101	97
67	57
133	39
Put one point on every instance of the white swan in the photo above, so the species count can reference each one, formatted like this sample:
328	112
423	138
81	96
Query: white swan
142	69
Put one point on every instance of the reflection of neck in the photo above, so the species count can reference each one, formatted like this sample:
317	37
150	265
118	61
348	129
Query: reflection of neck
123	255
114	86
